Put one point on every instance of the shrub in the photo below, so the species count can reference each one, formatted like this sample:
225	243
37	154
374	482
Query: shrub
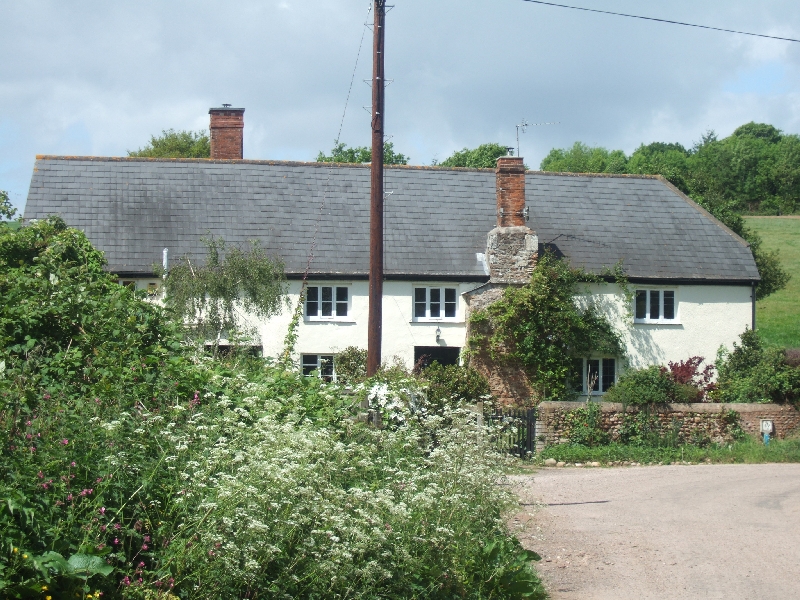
452	386
351	365
584	426
641	387
753	373
695	384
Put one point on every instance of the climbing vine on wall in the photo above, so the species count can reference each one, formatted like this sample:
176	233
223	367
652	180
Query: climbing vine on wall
544	326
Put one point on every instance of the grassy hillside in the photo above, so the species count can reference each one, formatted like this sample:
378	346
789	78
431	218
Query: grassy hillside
778	316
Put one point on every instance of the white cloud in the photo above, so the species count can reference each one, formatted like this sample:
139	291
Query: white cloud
100	78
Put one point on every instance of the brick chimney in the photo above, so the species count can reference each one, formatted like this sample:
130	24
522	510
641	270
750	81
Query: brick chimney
512	247
227	132
510	176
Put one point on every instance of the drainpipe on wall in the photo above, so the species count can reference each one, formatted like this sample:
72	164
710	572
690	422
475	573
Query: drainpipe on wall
753	298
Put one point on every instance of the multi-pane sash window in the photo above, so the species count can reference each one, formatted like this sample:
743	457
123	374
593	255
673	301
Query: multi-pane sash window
326	302
655	306
321	363
599	374
435	303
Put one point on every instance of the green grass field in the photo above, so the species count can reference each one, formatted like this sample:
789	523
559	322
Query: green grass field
778	316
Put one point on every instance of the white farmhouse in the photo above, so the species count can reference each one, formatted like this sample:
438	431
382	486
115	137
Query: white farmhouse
693	278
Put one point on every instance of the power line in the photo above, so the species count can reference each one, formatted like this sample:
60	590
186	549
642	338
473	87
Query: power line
616	14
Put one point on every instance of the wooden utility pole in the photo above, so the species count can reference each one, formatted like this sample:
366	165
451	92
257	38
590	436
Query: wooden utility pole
375	324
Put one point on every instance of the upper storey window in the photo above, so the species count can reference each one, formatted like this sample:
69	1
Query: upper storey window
327	303
435	303
655	306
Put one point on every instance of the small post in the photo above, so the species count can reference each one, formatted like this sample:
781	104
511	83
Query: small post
165	262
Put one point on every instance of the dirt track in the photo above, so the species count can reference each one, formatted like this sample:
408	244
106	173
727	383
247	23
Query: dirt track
705	531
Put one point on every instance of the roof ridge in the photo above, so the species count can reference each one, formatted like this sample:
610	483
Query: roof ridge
249	161
604	175
299	163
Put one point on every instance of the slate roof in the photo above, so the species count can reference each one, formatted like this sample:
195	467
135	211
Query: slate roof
436	219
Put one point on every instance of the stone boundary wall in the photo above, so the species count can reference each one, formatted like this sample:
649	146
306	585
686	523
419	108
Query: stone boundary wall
705	419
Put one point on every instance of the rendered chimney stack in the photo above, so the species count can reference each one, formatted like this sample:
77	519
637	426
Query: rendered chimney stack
510	191
227	132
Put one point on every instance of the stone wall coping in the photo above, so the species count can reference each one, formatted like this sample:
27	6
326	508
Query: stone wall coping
704	407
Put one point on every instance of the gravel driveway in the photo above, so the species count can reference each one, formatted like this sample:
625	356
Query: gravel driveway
705	531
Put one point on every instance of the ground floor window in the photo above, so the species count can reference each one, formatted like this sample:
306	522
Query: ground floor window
444	355
593	374
322	364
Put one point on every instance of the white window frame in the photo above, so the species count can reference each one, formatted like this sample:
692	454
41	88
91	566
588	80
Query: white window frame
335	317
648	295
602	385
442	291
305	362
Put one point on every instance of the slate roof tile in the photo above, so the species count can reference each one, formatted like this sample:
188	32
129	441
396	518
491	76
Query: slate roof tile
436	219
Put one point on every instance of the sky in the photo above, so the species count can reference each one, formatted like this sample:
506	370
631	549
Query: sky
99	78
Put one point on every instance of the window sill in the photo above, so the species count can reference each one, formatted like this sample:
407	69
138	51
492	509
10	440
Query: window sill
661	322
455	321
342	320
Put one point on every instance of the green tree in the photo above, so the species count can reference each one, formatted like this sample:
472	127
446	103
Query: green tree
6	210
483	157
756	166
773	276
753	373
67	326
667	160
176	144
585	159
341	153
543	327
212	297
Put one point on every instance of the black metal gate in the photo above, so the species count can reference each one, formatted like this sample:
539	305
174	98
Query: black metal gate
514	430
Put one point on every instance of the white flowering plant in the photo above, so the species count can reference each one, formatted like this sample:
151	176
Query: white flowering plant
135	466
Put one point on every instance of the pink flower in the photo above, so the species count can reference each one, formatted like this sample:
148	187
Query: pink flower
144	546
47	396
102	510
116	541
102	527
141	564
126	580
65	441
33	449
117	525
40	475
28	423
72	464
101	546
69	498
147	538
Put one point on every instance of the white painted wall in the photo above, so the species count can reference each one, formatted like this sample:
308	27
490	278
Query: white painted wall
708	317
400	332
